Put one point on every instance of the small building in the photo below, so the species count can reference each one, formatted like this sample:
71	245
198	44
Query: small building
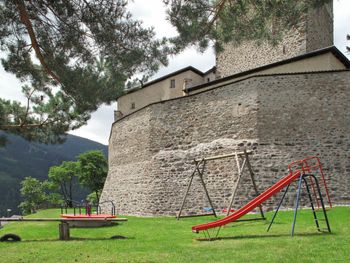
170	86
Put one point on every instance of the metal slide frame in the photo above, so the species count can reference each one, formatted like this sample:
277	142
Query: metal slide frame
303	178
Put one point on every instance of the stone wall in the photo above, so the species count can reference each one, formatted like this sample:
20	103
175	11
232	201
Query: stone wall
281	118
249	54
314	33
319	28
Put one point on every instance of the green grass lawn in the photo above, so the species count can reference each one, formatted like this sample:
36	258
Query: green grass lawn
167	240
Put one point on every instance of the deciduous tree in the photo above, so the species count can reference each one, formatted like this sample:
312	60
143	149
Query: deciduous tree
62	177
93	171
33	193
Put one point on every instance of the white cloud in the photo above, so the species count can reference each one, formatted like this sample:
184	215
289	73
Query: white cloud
10	86
99	126
152	13
341	24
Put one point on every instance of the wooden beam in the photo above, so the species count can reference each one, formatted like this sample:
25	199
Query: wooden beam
197	215
223	156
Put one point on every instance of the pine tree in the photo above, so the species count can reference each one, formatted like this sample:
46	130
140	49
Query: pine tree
205	22
56	48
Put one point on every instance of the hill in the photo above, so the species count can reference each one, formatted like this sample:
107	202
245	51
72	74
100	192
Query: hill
21	158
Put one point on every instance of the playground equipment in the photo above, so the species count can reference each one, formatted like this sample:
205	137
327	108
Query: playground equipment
83	210
242	161
65	223
298	171
10	238
82	216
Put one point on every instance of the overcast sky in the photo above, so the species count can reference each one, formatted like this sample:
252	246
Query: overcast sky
152	13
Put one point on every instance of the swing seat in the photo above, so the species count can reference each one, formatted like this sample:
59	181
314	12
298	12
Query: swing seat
208	209
225	210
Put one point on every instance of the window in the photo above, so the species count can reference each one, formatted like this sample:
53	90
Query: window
208	79
172	83
132	105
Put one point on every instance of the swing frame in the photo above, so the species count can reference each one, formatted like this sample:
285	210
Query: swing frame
239	156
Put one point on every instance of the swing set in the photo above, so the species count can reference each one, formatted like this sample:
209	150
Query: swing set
242	162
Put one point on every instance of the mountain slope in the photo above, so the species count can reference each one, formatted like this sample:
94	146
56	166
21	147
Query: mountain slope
20	159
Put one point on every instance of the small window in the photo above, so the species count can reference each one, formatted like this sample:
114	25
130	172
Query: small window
132	105
172	83
208	79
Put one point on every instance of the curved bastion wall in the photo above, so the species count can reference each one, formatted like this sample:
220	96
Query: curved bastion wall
280	117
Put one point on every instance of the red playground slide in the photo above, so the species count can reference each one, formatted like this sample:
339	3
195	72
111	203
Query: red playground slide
252	204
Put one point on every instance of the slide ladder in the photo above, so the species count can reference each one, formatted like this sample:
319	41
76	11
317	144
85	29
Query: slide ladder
309	165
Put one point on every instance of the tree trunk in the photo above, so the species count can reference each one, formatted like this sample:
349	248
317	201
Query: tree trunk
70	193
97	197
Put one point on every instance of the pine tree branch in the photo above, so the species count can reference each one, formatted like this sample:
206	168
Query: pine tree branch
26	21
217	11
30	125
22	123
65	23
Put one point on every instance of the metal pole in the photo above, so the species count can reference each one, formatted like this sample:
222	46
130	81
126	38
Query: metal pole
188	189
278	207
324	183
253	181
297	203
322	203
311	203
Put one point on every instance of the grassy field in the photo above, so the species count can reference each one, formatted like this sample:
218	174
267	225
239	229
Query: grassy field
168	240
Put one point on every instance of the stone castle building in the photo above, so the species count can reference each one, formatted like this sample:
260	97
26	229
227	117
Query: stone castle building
283	103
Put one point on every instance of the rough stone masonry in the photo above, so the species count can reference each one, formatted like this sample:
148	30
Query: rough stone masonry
280	117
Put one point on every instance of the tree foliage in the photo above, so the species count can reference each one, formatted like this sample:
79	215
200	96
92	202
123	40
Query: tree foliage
200	22
33	193
72	56
92	198
93	170
62	177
